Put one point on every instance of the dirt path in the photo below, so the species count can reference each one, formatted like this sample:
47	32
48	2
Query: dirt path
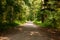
29	31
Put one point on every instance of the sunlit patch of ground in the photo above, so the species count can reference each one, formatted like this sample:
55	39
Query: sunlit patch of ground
4	38
34	33
30	24
28	31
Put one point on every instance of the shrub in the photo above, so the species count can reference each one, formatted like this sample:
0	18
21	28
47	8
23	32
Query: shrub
5	26
49	23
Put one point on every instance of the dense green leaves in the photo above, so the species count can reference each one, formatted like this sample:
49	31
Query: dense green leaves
45	12
8	12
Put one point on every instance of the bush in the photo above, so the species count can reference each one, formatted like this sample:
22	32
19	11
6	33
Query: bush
5	26
49	23
37	22
46	24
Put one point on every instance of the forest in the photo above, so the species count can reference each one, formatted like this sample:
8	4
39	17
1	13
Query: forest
44	13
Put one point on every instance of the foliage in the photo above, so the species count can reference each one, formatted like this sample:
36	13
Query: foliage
8	13
49	23
13	12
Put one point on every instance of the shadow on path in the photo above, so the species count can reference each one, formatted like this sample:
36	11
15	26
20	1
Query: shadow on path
28	31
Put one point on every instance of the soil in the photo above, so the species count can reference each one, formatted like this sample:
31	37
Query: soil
30	31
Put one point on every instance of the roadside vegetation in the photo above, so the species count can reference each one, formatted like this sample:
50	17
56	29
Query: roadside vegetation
16	12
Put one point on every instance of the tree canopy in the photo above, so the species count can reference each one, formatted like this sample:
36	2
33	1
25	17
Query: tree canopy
47	12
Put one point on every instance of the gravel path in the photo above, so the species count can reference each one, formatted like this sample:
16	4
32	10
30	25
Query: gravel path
29	31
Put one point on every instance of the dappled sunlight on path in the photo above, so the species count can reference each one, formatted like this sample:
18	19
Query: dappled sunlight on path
28	31
4	38
29	24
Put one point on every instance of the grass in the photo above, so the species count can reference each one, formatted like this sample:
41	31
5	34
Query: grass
19	22
37	22
46	24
